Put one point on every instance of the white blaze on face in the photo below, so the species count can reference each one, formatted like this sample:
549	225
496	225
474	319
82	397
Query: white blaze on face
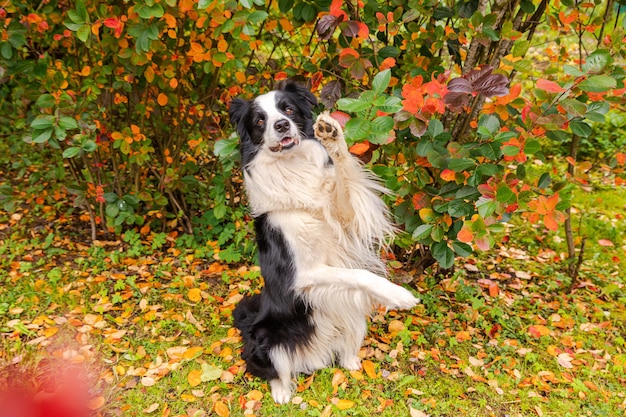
274	138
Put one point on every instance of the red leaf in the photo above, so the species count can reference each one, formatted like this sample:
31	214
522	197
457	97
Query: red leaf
549	86
112	22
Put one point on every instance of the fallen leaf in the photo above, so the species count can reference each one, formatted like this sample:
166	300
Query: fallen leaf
370	370
192	353
210	372
194	377
96	403
538	330
255	395
194	295
463	335
152	408
221	409
344	404
417	413
188	398
605	242
565	360
148	381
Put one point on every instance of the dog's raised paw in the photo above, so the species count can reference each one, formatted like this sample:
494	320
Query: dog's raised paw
329	132
401	299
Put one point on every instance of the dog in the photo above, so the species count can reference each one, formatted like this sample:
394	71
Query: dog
320	224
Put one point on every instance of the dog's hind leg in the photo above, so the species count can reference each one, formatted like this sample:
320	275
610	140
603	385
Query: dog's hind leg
379	289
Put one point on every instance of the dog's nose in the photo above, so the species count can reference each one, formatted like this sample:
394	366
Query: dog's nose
281	125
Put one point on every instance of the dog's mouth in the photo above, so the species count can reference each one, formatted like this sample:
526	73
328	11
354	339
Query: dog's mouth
286	143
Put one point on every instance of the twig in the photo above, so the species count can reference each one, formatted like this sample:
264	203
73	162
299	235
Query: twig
574	269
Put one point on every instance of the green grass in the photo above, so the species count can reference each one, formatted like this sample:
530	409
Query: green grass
126	312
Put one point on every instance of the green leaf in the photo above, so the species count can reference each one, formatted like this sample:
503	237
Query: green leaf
381	81
210	372
225	147
112	210
83	33
71	152
357	129
443	254
352	105
42	136
89	145
66	123
580	128
462	249
486	207
544	180
257	16
532	147
598	84
597	61
46	101
459	208
6	51
460	164
382	124
520	48
422	231
435	127
43	122
573	107
504	194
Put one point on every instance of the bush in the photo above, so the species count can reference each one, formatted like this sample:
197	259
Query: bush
132	97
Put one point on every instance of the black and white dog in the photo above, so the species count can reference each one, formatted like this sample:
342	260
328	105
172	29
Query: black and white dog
320	225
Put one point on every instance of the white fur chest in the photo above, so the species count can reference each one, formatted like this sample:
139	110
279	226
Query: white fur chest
298	179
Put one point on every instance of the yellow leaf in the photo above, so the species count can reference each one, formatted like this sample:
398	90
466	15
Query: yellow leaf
192	352
344	404
255	395
240	77
188	398
395	327
221	409
149	74
51	331
368	367
162	99
358	375
96	403
462	336
194	378
194	295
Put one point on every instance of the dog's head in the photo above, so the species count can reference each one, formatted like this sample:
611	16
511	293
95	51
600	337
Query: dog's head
274	122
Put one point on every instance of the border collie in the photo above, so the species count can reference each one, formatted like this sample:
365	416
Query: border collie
320	224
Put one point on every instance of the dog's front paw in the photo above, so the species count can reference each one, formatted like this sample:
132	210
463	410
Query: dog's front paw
329	132
351	363
400	299
281	391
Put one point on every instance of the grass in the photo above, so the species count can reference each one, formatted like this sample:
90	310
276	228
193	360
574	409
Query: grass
151	326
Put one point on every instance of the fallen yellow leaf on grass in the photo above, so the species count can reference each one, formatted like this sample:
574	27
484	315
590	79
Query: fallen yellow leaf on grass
192	353
221	409
194	377
463	336
344	404
370	370
194	295
187	398
255	395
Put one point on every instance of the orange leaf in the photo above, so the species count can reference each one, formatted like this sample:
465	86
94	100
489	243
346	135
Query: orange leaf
360	148
192	352
463	335
344	404
448	175
96	403
194	377
493	289
255	395
370	370
538	330
465	235
162	99
194	295
549	86
221	409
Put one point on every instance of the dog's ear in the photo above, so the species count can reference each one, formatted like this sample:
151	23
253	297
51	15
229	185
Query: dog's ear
302	92
237	110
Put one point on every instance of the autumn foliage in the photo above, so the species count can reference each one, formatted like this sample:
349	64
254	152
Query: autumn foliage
448	103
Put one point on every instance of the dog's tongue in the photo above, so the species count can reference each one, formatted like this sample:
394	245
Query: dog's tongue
287	141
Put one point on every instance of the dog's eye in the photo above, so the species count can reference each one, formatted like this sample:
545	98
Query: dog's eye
260	122
289	111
